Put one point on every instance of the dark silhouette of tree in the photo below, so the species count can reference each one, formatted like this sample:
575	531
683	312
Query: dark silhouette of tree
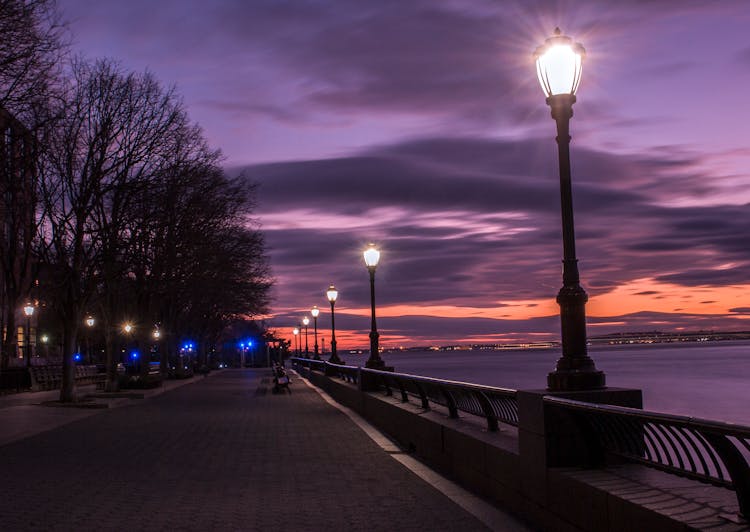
107	145
139	219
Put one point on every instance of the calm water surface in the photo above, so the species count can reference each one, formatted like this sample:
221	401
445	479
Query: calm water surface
710	380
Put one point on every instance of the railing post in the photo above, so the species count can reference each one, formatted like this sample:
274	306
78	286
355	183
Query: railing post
451	402
736	467
489	413
423	396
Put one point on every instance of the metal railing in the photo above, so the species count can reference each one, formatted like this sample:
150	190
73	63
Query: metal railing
494	404
708	451
318	365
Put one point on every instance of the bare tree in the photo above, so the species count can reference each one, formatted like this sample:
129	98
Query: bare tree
31	50
111	140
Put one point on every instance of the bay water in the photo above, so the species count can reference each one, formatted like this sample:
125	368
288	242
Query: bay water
708	380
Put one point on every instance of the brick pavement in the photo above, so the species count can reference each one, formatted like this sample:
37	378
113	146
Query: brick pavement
221	454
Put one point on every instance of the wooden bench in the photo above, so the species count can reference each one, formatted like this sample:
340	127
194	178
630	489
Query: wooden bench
50	377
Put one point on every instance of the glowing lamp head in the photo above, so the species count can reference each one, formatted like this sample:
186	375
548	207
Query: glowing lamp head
28	309
305	321
558	65
315	312
128	328
157	334
372	256
45	338
295	331
90	321
332	294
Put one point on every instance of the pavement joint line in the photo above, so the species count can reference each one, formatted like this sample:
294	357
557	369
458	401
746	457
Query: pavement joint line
491	516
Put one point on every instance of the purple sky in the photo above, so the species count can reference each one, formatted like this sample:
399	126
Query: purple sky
419	125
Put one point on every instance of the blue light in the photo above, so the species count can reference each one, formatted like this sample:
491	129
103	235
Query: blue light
134	355
242	345
249	343
77	357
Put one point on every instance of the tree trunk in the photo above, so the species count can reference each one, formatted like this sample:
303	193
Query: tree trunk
70	331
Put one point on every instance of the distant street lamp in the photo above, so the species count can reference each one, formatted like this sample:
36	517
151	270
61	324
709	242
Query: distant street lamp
558	66
332	294
28	310
306	322
127	328
315	311
372	256
45	342
156	334
90	322
295	331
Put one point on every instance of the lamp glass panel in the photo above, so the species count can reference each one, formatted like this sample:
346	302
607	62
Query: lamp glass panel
559	69
372	256
332	294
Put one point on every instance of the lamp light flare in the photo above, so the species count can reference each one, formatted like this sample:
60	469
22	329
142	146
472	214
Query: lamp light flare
315	312
559	62
305	321
372	256
90	321
332	294
28	309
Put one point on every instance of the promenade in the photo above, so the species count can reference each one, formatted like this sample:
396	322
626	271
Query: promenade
218	453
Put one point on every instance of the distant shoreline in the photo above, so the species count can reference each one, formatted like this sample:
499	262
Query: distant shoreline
618	339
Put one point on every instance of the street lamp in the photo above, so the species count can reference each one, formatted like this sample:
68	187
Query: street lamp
127	328
28	310
315	311
306	322
372	256
558	66
295	331
332	294
90	321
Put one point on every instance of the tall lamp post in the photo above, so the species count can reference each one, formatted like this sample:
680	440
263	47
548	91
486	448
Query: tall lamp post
90	322
295	331
306	322
28	310
332	294
372	256
315	311
558	66
127	328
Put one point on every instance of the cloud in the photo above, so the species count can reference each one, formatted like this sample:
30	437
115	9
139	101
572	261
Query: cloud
467	220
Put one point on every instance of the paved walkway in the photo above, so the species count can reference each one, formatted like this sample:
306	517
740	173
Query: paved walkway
223	453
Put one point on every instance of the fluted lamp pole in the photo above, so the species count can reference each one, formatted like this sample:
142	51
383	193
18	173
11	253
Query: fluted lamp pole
372	257
90	322
295	332
315	311
558	65
332	294
306	322
28	310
